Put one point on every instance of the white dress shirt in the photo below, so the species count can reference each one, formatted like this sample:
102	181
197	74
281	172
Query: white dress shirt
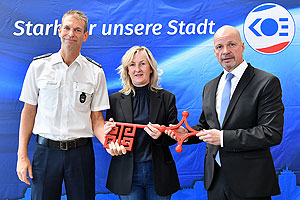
237	72
56	89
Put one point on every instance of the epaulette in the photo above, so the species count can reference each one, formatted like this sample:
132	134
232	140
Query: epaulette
42	56
94	62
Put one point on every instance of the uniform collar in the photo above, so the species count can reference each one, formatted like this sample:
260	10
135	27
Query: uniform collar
79	60
57	58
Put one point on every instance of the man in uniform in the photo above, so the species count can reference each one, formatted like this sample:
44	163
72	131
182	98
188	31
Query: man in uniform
64	94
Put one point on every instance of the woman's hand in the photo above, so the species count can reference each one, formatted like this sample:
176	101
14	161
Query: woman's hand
108	126
152	131
115	149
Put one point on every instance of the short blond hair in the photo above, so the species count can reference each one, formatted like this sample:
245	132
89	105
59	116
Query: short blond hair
126	61
78	15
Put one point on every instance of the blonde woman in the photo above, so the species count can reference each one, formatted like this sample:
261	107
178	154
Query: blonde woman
148	171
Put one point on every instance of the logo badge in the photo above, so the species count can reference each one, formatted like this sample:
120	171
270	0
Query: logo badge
82	97
269	28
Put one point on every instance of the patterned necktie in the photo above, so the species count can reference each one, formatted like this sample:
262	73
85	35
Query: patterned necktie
224	104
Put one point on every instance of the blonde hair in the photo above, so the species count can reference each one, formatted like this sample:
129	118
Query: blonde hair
126	61
78	15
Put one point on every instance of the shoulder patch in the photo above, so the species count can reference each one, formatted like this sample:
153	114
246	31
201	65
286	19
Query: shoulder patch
94	62
42	56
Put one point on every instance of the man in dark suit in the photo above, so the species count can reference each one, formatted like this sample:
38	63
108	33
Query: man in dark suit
238	161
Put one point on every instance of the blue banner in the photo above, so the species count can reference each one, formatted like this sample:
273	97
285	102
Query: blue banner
180	36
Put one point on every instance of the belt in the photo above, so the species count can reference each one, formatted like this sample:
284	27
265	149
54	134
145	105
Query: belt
63	145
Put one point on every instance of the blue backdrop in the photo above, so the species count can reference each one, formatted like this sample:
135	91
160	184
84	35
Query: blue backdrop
179	34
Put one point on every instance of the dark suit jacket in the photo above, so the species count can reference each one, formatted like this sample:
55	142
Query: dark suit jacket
163	111
253	123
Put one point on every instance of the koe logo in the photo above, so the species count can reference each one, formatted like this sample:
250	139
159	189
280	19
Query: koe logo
269	28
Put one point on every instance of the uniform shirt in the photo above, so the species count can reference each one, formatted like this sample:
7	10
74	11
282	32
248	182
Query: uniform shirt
65	96
237	72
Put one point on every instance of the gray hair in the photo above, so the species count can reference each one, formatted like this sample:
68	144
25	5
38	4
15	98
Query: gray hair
78	15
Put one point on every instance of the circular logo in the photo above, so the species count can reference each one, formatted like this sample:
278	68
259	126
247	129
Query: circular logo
269	28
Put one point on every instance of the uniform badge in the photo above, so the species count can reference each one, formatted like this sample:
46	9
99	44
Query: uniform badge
82	97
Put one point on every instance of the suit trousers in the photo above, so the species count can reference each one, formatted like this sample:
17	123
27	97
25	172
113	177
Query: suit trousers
220	190
51	166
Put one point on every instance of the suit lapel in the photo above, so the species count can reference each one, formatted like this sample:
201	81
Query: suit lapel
212	92
244	81
126	106
155	105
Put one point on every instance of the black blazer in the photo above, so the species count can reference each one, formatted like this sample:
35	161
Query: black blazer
163	111
253	123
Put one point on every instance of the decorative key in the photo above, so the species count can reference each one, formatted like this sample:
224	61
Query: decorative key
124	133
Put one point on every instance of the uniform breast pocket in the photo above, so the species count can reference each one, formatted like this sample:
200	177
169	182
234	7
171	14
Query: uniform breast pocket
48	93
82	96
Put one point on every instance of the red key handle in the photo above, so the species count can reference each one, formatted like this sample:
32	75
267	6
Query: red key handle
124	133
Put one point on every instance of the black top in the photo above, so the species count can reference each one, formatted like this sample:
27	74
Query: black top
140	110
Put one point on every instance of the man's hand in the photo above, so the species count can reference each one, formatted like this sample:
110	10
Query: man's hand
25	132
24	165
211	136
181	132
115	149
152	131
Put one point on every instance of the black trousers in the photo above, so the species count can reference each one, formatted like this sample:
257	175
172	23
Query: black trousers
220	190
51	166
